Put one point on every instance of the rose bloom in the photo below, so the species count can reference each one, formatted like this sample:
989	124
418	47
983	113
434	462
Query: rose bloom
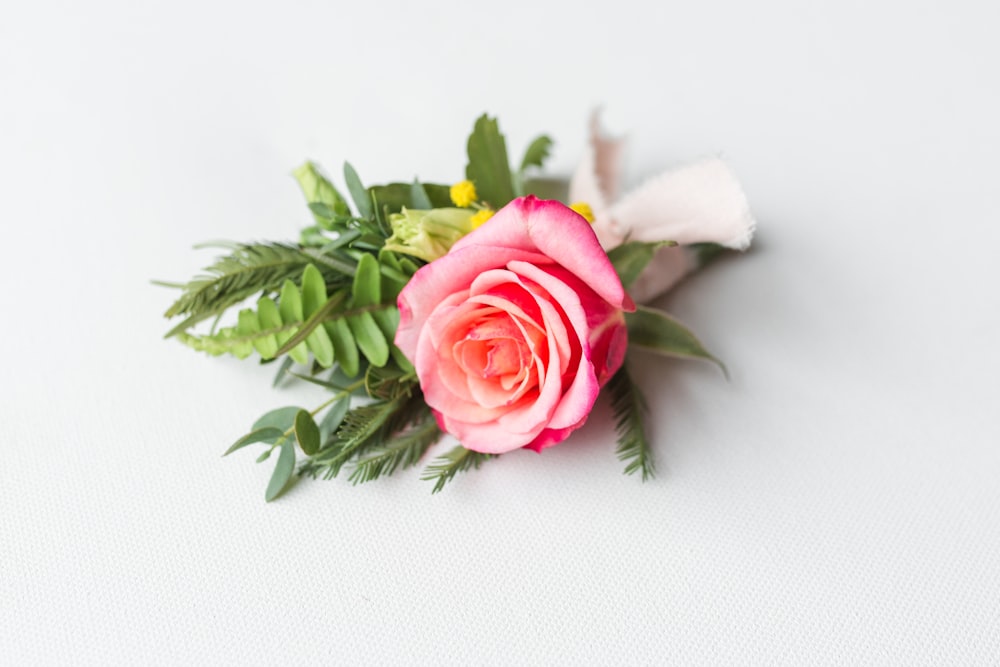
514	332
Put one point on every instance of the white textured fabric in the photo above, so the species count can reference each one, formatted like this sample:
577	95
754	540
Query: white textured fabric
835	503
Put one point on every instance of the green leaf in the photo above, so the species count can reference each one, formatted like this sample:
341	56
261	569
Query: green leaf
309	327
369	338
248	270
445	467
654	330
628	407
344	348
268	318
306	432
313	290
629	259
266	434
333	417
290	309
281	418
282	471
286	363
403	451
489	168
362	200
537	153
325	202
418	196
367	286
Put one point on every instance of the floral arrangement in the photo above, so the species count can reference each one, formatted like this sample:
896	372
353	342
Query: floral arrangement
488	310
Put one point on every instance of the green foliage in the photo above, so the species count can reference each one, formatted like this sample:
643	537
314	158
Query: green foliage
629	259
403	451
446	466
329	302
249	269
283	470
324	200
536	154
654	330
336	328
489	168
628	407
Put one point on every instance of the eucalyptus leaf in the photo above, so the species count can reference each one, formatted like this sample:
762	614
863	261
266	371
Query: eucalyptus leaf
266	434
654	330
489	167
282	471
286	363
307	432
280	418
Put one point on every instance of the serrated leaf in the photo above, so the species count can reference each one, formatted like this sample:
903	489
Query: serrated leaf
489	167
629	259
307	432
369	338
359	194
282	471
654	330
537	152
265	434
367	286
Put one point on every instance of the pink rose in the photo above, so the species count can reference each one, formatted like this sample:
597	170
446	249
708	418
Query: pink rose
516	329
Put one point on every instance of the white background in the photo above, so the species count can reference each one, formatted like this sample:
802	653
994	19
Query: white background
836	502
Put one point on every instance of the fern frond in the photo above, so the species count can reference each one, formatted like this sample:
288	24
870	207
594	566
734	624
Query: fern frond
446	466
628	406
403	451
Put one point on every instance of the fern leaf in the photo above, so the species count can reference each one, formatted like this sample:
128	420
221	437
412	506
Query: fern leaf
629	406
445	467
404	451
251	268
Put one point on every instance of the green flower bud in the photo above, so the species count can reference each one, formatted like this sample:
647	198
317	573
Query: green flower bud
428	234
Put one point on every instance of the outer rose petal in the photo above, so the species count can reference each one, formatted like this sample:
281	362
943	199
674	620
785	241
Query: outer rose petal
551	229
540	264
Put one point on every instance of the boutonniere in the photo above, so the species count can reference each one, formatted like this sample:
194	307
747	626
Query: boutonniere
476	309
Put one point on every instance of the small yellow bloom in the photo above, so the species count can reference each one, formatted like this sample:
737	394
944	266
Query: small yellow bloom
480	217
583	208
463	193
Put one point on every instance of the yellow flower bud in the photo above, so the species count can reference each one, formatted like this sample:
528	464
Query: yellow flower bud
583	208
463	193
480	217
